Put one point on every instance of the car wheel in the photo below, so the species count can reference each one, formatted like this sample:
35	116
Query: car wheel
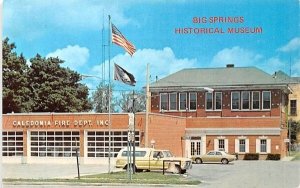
224	161
178	169
198	161
131	166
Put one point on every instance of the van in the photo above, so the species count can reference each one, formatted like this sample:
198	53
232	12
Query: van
152	159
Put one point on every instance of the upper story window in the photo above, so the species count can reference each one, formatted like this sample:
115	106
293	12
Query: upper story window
293	107
255	100
164	101
193	101
218	100
173	101
182	101
235	100
245	100
208	101
266	97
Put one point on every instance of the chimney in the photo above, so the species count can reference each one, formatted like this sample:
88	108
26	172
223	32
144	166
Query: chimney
230	65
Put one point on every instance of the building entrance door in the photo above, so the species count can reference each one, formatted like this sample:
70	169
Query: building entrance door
195	148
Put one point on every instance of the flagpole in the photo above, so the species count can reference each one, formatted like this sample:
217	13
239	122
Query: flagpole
109	96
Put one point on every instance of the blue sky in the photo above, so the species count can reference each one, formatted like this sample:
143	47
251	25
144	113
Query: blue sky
72	30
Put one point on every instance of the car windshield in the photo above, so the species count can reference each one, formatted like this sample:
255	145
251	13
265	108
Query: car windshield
167	154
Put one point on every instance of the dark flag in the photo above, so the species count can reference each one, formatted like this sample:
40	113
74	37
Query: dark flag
123	76
120	40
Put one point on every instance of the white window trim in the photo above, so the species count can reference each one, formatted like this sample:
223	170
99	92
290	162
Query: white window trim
215	101
242	100
268	145
258	100
239	100
160	96
216	143
180	101
190	101
212	101
263	100
237	145
170	101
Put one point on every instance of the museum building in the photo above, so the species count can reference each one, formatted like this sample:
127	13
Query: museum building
238	110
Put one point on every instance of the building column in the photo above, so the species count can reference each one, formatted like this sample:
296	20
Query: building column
82	146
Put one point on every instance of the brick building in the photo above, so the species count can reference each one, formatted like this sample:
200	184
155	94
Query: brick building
245	112
239	110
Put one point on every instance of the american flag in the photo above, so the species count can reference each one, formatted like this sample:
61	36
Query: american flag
120	40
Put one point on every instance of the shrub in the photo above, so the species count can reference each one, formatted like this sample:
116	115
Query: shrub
275	157
251	156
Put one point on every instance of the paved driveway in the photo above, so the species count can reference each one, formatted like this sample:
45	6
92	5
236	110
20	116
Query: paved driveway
249	174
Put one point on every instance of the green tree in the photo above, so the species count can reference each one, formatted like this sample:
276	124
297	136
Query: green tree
100	99
56	89
16	94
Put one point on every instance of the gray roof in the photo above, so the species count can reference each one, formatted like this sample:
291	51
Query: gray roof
286	78
217	77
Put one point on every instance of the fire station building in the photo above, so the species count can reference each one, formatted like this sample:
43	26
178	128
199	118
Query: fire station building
238	110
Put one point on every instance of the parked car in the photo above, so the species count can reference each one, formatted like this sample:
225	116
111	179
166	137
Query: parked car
152	159
215	157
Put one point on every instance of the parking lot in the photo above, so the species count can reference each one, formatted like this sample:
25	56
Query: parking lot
246	174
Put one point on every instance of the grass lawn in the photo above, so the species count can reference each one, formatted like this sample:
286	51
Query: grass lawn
120	178
296	156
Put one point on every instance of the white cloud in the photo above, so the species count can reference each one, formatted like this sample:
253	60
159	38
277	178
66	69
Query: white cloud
296	67
74	56
293	45
162	63
238	56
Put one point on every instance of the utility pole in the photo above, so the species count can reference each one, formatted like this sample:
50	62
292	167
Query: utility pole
133	111
147	107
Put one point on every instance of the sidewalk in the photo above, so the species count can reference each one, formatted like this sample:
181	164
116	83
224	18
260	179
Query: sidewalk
288	158
48	171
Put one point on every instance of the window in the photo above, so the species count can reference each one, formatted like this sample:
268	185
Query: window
263	145
235	100
245	100
98	143
255	100
218	100
266	95
173	101
12	143
293	107
242	145
208	101
182	101
163	101
193	101
221	145
54	143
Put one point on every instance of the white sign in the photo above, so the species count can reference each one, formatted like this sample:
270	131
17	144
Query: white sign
131	121
286	140
131	136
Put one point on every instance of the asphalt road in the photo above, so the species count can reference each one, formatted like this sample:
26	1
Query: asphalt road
240	174
248	174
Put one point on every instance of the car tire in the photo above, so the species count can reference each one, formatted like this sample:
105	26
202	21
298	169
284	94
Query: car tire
178	169
198	161
224	161
125	168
